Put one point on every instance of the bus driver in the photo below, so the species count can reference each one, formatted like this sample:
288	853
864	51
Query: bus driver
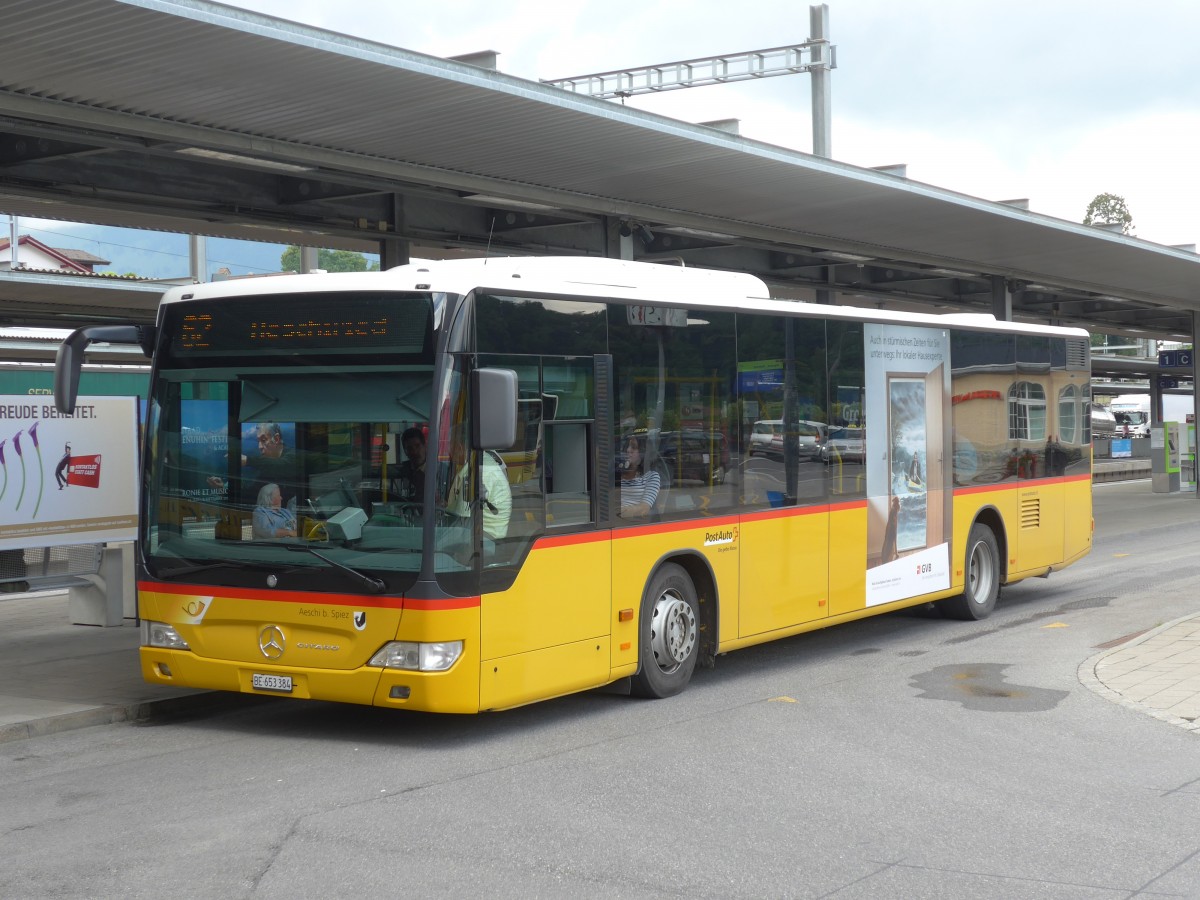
495	495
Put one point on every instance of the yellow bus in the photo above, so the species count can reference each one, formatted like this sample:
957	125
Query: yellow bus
585	510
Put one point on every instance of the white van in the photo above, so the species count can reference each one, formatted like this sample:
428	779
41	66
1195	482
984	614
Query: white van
766	437
1132	412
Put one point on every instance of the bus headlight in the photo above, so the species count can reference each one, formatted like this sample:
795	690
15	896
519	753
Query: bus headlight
419	657
160	634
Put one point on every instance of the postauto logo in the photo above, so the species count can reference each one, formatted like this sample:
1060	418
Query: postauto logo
721	536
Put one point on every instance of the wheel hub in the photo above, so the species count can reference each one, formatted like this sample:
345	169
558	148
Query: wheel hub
980	573
673	631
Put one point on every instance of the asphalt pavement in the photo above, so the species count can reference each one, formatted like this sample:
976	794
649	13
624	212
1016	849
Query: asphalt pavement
56	676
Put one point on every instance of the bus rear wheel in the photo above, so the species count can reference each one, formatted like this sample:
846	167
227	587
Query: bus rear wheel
981	582
669	634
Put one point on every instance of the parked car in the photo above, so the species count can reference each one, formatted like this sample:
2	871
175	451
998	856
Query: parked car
684	456
766	437
812	435
843	445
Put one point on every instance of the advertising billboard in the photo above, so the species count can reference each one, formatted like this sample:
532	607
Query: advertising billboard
67	479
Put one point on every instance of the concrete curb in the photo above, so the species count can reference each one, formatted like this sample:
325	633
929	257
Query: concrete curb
139	711
1087	677
1124	470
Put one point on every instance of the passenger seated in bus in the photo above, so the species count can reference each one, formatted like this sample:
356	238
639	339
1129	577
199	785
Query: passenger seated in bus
495	498
270	520
639	488
408	484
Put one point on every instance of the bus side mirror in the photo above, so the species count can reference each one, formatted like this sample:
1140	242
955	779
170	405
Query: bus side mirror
69	360
494	416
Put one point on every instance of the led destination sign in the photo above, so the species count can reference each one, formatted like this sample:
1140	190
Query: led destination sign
197	329
342	323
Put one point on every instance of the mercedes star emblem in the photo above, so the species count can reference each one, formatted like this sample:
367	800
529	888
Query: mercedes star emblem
270	642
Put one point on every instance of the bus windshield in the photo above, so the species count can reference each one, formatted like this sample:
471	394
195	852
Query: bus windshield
283	452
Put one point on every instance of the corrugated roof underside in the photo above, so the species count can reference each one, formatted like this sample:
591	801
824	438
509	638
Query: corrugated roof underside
230	71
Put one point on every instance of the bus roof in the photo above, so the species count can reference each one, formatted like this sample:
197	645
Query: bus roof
591	277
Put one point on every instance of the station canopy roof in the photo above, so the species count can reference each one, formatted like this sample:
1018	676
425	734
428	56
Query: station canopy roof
190	116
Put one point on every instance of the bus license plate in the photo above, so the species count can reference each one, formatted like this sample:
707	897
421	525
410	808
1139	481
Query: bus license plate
281	683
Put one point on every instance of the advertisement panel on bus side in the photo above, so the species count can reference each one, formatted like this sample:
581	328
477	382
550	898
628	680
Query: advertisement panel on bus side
907	407
67	479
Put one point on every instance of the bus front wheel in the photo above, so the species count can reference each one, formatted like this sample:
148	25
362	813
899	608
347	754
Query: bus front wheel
981	581
669	634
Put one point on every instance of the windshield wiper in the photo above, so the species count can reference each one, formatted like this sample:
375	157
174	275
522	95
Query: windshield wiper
372	585
181	571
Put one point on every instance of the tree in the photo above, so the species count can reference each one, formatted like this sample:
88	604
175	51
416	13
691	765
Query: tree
1109	209
329	260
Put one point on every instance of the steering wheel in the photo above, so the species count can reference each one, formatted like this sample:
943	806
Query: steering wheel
444	518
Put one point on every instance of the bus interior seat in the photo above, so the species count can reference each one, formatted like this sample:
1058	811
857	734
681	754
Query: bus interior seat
665	494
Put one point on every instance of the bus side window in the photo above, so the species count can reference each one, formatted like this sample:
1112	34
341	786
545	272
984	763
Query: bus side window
569	501
522	462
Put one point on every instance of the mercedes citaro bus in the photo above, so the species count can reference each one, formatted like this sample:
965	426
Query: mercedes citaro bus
526	551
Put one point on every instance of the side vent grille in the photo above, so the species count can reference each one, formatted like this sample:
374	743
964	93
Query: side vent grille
1077	355
1031	512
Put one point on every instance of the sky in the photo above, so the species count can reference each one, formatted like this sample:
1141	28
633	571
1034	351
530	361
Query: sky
1053	101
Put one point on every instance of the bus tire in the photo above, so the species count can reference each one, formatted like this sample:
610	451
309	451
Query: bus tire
668	634
981	578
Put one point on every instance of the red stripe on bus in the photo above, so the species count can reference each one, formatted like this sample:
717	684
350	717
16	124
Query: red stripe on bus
241	593
671	527
767	515
620	532
568	540
1017	485
447	603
